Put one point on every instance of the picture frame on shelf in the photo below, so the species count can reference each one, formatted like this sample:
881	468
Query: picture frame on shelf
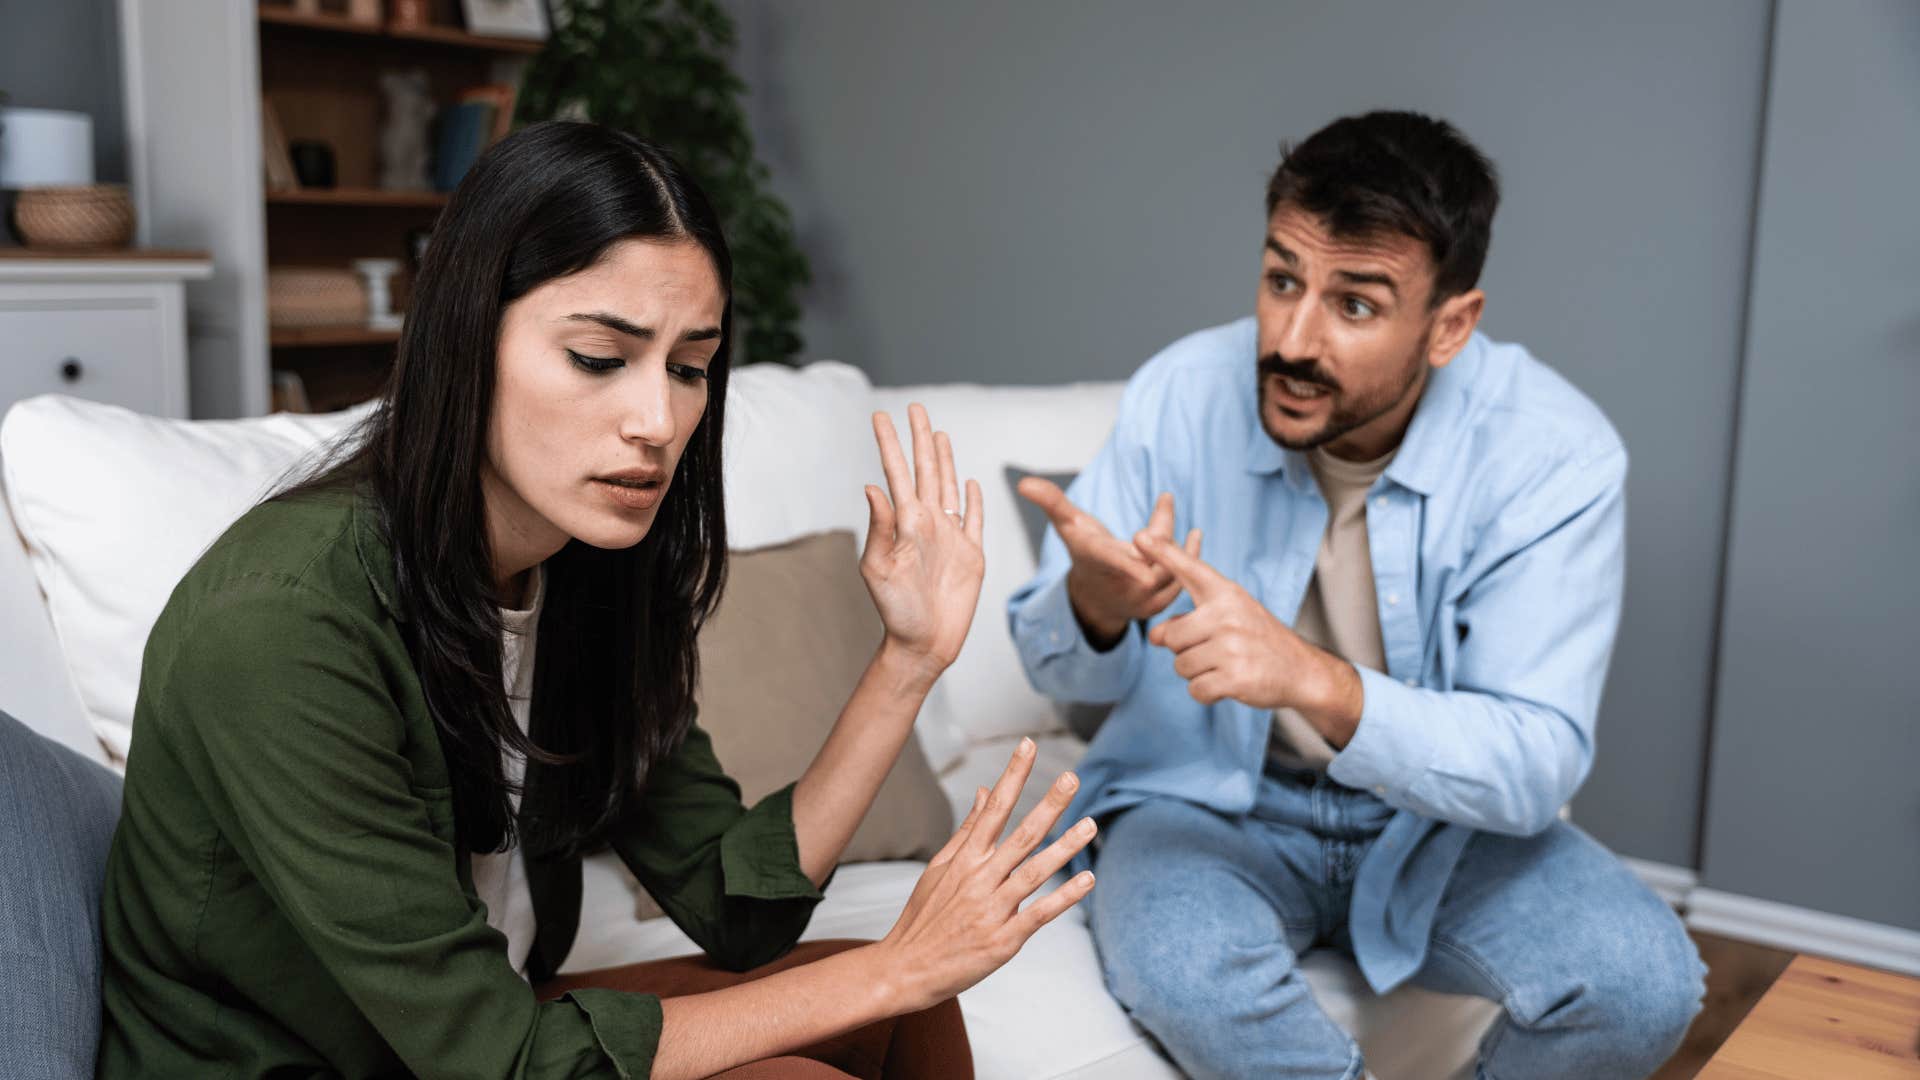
526	19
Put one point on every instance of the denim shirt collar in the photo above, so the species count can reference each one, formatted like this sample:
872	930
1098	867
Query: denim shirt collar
1425	452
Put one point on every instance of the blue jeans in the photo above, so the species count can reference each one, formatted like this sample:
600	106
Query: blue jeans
1199	919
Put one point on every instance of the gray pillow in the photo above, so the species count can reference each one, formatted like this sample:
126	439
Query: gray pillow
57	814
1081	718
1032	518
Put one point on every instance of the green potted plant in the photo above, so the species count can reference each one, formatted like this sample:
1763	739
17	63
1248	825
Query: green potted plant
660	68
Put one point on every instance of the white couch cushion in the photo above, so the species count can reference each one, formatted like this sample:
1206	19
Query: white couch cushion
797	441
1048	1014
1043	429
114	507
34	685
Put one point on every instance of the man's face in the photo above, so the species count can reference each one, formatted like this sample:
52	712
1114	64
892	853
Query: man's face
1345	335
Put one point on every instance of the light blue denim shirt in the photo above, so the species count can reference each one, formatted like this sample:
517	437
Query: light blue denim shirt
1498	542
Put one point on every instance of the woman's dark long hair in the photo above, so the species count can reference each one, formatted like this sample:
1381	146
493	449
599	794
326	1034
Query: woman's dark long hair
615	665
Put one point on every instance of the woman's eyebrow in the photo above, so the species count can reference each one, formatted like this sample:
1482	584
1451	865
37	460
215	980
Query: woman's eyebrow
635	330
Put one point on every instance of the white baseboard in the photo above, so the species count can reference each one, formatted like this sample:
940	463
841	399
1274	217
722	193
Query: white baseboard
1671	883
1804	930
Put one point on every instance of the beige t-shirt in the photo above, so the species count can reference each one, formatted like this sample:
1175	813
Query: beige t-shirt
501	877
1339	613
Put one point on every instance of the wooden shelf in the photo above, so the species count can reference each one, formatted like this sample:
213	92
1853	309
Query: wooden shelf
446	35
294	337
434	35
103	254
338	24
322	74
355	196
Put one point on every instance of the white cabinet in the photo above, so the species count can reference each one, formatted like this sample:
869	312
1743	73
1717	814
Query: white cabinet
107	329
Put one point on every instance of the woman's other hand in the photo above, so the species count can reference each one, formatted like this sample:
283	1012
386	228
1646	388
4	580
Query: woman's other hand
964	919
923	562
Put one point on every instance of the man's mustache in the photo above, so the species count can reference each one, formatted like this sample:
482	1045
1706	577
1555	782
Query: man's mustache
1306	371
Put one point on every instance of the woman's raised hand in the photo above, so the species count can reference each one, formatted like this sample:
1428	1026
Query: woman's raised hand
964	919
922	563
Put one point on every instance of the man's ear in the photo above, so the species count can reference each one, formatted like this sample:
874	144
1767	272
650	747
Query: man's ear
1453	324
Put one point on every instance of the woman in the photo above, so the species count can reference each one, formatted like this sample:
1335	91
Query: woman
353	816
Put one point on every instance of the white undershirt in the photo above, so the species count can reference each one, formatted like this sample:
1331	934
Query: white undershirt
501	877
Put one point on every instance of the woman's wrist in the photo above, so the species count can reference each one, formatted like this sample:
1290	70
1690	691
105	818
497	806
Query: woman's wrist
905	669
878	982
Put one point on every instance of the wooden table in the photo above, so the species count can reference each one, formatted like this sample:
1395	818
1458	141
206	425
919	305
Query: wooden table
1823	1018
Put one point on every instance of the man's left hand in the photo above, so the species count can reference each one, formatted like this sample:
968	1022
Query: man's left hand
1231	646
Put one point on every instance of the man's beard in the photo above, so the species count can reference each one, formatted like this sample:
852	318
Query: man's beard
1345	415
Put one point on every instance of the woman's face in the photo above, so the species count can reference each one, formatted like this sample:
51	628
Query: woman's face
599	385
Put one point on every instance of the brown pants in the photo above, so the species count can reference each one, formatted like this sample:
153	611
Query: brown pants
929	1044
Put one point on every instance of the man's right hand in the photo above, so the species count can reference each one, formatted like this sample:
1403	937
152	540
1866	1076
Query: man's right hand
1111	583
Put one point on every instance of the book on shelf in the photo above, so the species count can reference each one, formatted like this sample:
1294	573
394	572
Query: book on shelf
461	131
501	97
274	154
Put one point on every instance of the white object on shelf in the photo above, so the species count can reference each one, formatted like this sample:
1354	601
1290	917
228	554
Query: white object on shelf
378	273
112	330
45	148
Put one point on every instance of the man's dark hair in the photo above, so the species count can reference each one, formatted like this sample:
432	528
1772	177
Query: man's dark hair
1397	172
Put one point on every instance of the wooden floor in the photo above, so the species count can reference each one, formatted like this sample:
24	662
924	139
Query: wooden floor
1737	975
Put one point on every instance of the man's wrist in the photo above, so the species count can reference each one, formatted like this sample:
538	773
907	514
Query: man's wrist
1101	634
1338	700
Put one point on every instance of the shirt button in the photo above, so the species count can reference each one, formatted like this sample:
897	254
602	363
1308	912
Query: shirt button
1054	638
1379	789
1411	682
1393	598
1380	502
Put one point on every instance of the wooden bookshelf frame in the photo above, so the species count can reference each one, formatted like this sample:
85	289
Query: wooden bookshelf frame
321	71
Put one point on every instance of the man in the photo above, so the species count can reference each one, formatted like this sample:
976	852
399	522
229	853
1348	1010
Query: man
1354	721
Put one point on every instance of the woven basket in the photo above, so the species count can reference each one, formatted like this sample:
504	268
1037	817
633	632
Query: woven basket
84	216
315	296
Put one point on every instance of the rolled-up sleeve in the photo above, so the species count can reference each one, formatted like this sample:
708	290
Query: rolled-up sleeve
1512	739
1060	662
727	874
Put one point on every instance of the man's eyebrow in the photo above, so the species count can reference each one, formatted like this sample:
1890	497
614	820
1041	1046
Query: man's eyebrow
1280	249
634	330
1369	279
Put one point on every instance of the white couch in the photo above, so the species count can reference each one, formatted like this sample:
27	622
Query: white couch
111	508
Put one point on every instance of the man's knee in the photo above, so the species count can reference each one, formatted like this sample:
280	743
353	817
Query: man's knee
1636	989
1656	999
1187	975
1189	952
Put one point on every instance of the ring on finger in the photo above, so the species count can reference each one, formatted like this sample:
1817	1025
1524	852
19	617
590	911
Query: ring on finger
955	514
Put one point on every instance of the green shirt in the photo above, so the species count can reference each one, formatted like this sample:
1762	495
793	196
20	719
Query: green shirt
284	896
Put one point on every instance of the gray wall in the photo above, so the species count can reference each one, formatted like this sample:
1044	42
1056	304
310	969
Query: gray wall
1031	193
66	55
1814	796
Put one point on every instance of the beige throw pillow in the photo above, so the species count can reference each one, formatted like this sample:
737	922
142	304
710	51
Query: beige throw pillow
778	661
